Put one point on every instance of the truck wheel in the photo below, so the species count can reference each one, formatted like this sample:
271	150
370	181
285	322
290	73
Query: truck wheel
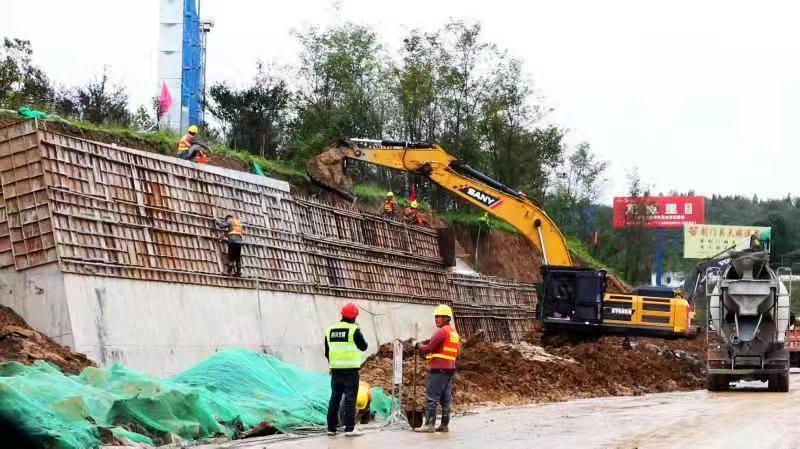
779	382
716	382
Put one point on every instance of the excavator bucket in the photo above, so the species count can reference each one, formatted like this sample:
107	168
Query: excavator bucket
327	170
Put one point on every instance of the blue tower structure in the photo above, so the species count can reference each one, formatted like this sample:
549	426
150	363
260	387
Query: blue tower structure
192	68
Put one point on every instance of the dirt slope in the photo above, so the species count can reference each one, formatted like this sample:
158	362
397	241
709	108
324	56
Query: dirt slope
511	374
20	343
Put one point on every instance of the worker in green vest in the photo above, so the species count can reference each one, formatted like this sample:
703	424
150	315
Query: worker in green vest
344	344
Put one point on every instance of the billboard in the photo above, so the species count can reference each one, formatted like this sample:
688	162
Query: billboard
704	241
659	211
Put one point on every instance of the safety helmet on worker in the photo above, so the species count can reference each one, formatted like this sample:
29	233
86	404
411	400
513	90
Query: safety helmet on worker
350	311
389	195
414	204
192	129
443	310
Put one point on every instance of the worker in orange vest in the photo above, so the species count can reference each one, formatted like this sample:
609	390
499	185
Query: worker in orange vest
235	231
389	206
442	351
190	148
412	215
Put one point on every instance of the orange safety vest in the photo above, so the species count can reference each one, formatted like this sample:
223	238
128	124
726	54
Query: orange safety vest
450	347
185	142
413	216
236	228
388	206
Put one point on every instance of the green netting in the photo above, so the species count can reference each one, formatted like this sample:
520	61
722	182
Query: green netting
226	393
255	168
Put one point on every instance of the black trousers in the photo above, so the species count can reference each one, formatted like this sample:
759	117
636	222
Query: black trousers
343	383
235	257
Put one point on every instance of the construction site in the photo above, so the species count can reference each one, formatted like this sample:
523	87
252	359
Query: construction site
384	242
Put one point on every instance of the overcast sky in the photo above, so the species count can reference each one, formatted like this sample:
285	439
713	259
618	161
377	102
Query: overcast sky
697	95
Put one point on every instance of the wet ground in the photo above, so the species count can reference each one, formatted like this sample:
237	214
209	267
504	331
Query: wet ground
748	418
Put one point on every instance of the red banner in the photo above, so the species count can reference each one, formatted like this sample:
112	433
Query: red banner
659	211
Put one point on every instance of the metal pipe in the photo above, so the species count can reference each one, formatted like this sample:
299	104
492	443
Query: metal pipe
541	242
466	169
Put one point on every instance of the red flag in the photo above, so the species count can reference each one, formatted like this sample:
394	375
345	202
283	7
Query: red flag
413	195
164	101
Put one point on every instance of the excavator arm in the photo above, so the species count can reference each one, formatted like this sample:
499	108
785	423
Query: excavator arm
461	181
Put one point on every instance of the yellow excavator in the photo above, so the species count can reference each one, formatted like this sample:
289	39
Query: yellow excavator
573	299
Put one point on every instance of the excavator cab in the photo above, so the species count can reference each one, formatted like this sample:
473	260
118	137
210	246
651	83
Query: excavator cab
571	297
575	300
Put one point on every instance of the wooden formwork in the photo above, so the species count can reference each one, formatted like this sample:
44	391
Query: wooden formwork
97	209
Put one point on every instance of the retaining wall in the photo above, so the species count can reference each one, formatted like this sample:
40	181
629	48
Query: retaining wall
114	252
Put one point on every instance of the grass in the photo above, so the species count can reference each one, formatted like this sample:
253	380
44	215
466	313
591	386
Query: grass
579	249
475	220
163	142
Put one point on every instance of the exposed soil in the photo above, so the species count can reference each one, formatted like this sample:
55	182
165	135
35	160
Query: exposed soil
513	374
501	254
20	343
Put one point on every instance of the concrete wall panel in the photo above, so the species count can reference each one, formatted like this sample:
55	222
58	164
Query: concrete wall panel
161	328
37	295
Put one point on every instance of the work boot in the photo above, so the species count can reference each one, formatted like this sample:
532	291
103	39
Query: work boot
331	433
445	421
427	428
430	423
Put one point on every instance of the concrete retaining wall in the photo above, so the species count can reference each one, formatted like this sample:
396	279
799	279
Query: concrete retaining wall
162	328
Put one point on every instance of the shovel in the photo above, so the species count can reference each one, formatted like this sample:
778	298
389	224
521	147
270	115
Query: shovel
414	416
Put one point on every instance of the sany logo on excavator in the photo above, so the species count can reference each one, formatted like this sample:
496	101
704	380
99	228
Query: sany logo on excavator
483	197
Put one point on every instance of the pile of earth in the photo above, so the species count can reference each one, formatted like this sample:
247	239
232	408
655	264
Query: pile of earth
523	373
20	343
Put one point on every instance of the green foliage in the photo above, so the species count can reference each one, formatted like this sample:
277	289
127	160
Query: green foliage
21	82
253	117
579	249
476	220
343	89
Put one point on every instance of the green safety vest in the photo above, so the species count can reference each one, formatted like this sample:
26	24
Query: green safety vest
342	350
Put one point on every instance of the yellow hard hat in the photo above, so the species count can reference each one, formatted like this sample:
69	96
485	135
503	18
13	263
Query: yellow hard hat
443	310
390	194
193	129
414	204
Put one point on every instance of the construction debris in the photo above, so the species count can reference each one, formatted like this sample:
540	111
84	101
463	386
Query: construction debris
20	343
522	373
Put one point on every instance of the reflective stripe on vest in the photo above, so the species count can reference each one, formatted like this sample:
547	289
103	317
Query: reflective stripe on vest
184	144
342	350
452	343
236	227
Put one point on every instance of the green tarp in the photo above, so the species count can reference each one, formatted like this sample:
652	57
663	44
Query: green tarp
228	392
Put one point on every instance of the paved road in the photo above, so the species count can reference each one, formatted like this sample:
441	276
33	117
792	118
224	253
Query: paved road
751	418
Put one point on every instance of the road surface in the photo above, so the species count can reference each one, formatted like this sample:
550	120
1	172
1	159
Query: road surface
751	418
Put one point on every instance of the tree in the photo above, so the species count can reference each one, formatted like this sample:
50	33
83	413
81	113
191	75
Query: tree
636	241
255	117
101	102
578	185
142	119
21	82
342	87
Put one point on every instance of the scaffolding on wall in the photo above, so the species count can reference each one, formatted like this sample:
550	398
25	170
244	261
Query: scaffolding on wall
101	210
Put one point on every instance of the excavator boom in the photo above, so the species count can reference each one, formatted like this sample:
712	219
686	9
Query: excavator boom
459	179
573	299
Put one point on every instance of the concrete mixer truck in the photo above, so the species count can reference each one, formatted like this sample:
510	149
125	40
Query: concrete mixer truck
748	318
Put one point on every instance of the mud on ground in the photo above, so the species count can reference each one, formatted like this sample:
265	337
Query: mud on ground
20	343
523	373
